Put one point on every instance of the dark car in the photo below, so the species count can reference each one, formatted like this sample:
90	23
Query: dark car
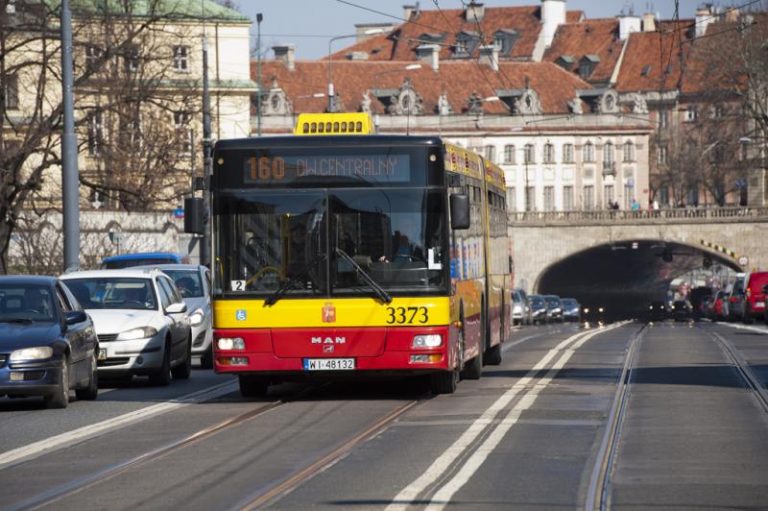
571	309
117	262
681	310
554	308
48	345
538	309
657	311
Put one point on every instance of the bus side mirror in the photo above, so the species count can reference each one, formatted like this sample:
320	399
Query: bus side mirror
194	223
459	211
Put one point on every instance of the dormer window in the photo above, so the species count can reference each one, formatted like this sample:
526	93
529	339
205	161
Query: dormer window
646	70
431	38
504	40
565	61
587	65
466	42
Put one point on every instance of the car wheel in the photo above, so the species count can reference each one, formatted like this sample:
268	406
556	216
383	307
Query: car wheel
253	386
90	392
60	398
206	359
184	370
162	376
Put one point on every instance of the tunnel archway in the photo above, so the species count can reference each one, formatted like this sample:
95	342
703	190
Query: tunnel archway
623	277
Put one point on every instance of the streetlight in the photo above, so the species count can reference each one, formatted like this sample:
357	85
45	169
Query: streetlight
331	95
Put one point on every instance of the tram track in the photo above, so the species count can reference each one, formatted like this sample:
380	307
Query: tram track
744	369
600	479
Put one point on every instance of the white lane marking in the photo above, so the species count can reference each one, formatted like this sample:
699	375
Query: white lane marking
758	329
444	494
403	499
69	438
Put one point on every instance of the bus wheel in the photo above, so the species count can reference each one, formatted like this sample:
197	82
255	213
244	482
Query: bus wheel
474	368
444	382
253	386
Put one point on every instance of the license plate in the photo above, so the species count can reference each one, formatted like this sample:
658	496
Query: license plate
329	364
102	354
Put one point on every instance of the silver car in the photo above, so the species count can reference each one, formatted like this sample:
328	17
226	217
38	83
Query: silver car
194	283
141	322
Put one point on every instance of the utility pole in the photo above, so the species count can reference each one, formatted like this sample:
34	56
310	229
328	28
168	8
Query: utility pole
259	17
69	173
205	247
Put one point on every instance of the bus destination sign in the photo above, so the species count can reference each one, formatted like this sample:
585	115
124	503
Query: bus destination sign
378	168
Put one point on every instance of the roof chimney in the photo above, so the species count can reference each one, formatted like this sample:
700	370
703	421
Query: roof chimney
429	53
489	55
286	53
474	12
410	10
649	22
627	25
704	16
552	15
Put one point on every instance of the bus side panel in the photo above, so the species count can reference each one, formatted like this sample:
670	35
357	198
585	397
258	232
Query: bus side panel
469	296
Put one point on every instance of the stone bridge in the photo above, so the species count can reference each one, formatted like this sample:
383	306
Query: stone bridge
631	256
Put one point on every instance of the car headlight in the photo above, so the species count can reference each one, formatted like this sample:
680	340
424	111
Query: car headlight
196	317
36	353
143	332
427	341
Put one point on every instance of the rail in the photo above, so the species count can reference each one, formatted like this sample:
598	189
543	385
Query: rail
666	216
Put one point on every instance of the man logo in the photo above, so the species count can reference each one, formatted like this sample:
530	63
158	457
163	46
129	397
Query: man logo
329	340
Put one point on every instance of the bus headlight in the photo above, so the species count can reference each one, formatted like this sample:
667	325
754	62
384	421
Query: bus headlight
230	343
427	341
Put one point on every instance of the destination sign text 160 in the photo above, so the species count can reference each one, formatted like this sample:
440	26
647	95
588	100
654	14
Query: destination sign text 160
389	168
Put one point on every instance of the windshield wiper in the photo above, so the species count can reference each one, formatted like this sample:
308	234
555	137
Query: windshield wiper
380	292
287	285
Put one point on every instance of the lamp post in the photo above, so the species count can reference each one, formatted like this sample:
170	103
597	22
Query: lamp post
331	92
259	17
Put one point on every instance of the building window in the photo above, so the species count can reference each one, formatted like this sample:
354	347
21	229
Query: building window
498	42
691	114
490	153
509	154
181	121
588	200
549	153
608	154
663	118
567	153
10	90
530	198
608	195
629	151
130	131
131	59
567	198
661	155
628	196
95	133
529	155
93	55
181	58
549	198
511	199
589	152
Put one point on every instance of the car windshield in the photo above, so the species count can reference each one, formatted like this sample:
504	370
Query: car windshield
23	302
190	283
114	293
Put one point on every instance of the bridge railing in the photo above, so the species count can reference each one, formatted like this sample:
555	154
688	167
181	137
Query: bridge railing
672	215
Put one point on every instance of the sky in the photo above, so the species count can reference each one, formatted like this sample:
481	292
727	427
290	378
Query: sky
309	24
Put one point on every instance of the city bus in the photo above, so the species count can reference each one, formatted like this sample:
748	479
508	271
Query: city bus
357	257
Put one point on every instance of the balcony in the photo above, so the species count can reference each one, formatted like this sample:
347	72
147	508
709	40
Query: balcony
609	168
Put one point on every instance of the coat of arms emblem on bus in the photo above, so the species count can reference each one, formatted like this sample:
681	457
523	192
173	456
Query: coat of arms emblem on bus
329	313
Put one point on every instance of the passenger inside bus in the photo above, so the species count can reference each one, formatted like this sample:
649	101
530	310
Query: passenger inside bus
296	264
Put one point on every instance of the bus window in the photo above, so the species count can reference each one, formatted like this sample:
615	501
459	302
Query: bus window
335	127
314	128
328	126
305	128
343	126
359	127
321	127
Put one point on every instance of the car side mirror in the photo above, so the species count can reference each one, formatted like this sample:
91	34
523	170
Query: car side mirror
74	317
459	211
176	308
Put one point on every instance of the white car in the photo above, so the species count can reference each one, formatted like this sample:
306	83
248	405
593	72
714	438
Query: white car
194	283
140	320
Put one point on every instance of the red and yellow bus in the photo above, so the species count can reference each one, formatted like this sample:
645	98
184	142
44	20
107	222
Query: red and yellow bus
357	255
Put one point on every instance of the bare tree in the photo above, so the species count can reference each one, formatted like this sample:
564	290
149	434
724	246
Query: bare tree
135	117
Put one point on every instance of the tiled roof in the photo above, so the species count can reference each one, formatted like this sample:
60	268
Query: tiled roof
401	43
652	59
457	79
588	38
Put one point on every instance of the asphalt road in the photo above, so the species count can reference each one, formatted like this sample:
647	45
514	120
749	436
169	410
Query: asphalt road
532	433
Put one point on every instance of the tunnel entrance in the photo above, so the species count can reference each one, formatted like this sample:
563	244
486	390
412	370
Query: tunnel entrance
624	277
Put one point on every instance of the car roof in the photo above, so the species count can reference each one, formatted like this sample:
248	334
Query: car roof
127	272
28	279
171	266
142	255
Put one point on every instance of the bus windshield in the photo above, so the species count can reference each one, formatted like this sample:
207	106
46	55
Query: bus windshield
326	242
